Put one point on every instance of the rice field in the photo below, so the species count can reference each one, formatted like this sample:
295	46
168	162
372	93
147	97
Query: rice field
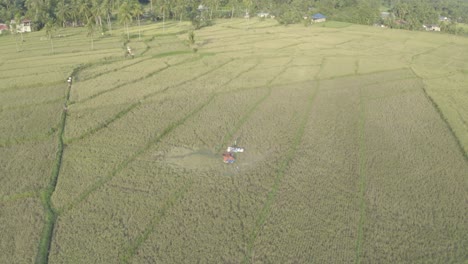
355	140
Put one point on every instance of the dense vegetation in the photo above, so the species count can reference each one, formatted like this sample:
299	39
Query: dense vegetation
408	14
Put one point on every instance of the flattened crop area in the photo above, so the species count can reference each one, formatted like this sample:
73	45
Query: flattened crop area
347	157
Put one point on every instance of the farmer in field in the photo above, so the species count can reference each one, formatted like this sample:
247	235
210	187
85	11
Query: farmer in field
69	81
129	52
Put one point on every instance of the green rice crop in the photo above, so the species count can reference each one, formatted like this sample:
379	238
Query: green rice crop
22	224
355	144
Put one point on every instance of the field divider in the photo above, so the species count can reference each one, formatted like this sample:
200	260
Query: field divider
51	101
431	100
133	157
104	124
113	70
362	179
161	213
243	119
121	85
30	86
430	50
189	80
134	105
160	55
19	196
149	75
265	211
249	113
46	194
24	140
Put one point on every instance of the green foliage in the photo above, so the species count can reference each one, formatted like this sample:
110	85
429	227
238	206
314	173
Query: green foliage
413	13
50	28
191	37
288	15
199	21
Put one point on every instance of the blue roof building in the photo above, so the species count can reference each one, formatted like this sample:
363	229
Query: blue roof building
319	17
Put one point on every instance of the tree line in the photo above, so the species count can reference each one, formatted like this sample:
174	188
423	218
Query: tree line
100	14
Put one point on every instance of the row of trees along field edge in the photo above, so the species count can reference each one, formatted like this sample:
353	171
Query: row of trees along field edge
407	14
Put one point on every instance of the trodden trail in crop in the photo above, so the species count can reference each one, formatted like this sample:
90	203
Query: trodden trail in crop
132	249
362	179
153	141
23	106
230	134
263	215
121	85
136	104
135	245
18	196
265	211
160	55
16	88
24	140
443	117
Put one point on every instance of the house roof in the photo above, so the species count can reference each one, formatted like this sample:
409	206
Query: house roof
384	14
202	8
318	16
3	27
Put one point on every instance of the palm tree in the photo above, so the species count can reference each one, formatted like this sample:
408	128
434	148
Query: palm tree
84	10
125	16
96	12
137	11
213	4
63	12
50	27
179	7
164	5
17	23
90	28
233	4
248	5
74	12
36	9
107	8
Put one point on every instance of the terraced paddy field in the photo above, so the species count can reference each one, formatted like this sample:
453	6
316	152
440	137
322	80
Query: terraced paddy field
356	144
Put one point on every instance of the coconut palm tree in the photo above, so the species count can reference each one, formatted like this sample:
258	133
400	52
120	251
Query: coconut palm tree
137	11
91	29
125	16
49	28
84	10
107	9
163	8
63	12
96	11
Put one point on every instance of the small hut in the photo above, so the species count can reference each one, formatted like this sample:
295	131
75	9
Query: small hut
317	18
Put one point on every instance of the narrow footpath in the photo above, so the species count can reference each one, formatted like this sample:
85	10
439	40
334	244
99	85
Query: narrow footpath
46	194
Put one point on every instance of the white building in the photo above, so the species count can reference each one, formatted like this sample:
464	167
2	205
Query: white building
24	26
